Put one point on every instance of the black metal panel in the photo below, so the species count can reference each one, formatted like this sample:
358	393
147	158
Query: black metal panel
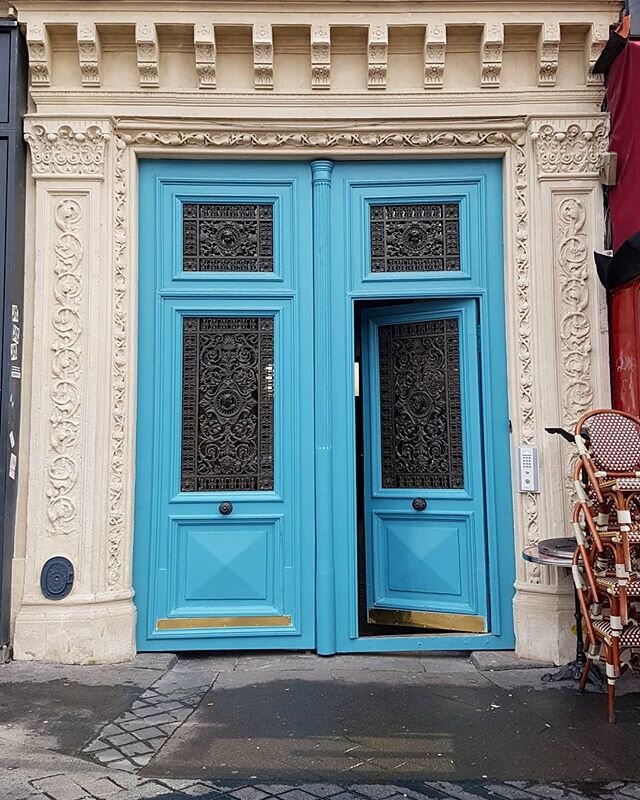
421	237
420	414
227	404
227	237
13	91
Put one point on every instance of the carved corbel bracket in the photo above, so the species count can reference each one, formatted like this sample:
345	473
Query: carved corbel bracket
377	56
147	52
67	147
435	43
492	44
596	40
548	53
320	57
204	40
89	54
39	54
262	56
569	146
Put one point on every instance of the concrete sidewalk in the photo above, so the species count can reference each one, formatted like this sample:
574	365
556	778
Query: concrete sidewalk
260	726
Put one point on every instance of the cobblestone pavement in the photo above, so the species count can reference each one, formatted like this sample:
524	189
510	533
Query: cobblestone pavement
284	727
119	786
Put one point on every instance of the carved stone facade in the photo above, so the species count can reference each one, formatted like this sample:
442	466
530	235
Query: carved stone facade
77	489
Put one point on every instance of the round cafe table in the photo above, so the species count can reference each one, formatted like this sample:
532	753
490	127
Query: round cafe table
558	553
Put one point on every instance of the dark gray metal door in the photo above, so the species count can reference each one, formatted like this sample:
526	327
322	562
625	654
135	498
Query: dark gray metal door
13	92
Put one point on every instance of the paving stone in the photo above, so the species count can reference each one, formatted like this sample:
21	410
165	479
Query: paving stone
297	794
142	710
124	765
120	739
159	661
59	787
346	796
495	660
101	788
328	789
278	788
248	793
107	756
171	705
197	790
160	719
552	792
508	792
95	746
136	749
149	733
143	760
135	725
630	790
452	790
110	730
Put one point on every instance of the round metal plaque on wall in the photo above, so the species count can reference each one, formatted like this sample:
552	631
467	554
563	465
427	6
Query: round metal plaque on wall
56	578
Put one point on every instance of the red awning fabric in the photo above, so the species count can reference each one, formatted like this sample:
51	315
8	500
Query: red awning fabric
623	97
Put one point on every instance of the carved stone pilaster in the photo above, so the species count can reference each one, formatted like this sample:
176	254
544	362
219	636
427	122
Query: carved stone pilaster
204	41
262	56
147	53
569	147
320	57
89	54
574	276
39	54
70	504
377	55
67	148
492	44
435	43
548	53
596	40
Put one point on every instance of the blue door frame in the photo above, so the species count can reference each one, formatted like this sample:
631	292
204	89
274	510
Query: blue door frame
332	230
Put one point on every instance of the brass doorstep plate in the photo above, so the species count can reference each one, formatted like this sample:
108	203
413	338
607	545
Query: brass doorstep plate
182	623
461	623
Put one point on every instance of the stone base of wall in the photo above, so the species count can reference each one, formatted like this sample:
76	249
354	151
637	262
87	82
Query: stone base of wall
96	633
545	626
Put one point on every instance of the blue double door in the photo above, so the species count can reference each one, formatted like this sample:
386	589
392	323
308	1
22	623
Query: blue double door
315	462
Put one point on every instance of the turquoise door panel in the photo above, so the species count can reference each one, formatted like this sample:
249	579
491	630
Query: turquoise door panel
225	539
459	552
422	411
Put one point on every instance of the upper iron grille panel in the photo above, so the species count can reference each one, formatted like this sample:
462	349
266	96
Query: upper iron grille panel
423	237
227	237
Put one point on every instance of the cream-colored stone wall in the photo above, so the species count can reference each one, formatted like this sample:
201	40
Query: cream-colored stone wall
111	81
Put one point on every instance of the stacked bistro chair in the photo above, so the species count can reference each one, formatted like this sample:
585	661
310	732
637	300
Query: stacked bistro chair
606	522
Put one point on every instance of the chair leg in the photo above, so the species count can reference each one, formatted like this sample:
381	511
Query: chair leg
611	700
585	675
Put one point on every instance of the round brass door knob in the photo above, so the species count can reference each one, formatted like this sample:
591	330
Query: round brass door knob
419	504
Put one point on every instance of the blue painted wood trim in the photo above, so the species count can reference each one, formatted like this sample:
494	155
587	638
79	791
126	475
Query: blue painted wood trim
325	568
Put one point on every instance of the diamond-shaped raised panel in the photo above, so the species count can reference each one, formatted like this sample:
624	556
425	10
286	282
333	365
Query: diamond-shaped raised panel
424	558
226	567
424	562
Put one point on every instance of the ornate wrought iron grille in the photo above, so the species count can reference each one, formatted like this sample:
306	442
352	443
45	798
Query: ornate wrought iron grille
227	404
222	237
420	415
415	238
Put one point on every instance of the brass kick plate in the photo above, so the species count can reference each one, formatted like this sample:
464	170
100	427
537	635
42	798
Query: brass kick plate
462	623
181	623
